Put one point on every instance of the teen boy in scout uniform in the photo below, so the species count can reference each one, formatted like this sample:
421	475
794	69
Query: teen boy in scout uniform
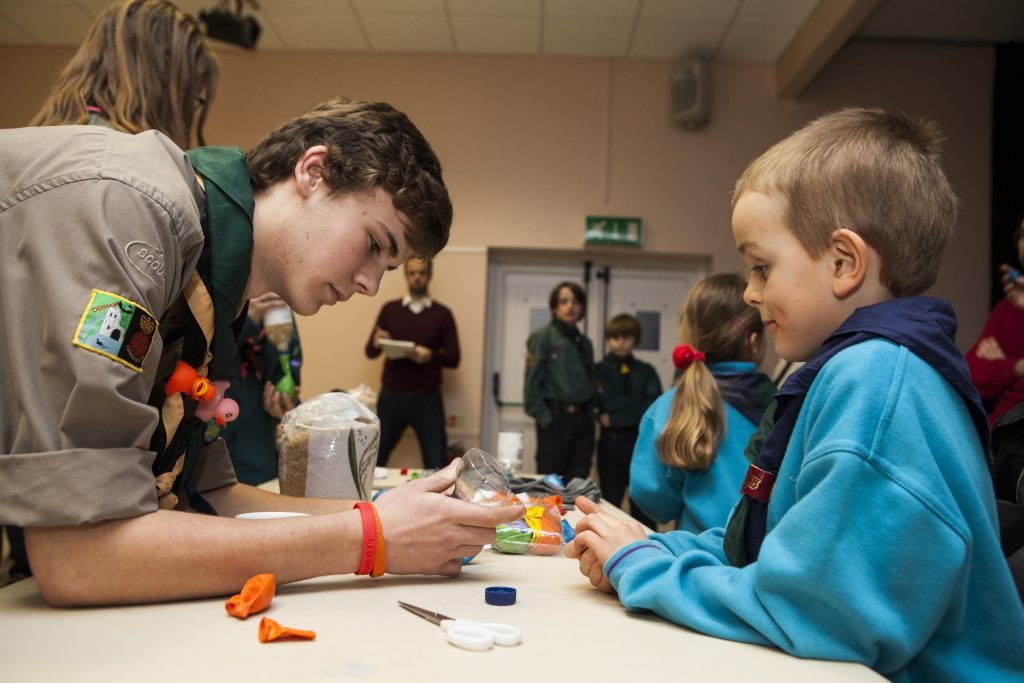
559	387
123	258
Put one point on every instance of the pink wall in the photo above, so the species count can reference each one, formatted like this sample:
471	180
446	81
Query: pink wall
531	146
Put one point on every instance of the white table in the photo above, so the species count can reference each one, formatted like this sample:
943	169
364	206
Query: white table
571	632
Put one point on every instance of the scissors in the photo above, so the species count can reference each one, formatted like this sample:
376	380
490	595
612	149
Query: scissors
469	634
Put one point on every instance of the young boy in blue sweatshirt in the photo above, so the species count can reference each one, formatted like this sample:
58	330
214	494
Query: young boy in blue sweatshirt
867	527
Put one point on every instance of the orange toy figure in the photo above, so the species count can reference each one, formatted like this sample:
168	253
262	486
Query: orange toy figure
271	630
187	381
255	596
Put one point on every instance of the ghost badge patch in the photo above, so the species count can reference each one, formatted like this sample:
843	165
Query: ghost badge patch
117	328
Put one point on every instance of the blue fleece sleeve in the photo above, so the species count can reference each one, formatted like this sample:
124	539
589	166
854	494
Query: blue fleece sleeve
823	586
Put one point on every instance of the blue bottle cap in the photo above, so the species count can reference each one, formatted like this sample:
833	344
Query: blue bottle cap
500	595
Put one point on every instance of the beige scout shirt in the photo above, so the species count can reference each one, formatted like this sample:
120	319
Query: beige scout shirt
84	208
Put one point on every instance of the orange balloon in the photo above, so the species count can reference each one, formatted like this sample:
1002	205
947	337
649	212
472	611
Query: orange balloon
255	596
271	630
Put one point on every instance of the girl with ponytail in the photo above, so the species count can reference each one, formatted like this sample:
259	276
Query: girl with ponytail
688	463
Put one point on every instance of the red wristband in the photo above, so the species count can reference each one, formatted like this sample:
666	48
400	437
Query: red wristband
379	558
366	511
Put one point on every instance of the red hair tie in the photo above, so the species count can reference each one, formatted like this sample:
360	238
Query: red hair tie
685	355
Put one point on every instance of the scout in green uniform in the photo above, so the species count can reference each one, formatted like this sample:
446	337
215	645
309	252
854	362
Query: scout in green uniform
98	461
559	387
251	437
626	387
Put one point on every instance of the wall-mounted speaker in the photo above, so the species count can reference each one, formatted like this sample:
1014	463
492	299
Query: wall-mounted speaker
691	94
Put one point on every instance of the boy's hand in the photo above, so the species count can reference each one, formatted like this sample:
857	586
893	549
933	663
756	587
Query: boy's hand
598	537
275	403
427	532
262	304
605	420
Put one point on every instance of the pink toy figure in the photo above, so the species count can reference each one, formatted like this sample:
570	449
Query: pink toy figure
219	408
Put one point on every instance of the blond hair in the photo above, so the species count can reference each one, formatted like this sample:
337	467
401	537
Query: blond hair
146	65
717	322
875	173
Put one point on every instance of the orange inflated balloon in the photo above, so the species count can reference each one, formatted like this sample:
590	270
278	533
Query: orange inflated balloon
549	540
255	596
271	630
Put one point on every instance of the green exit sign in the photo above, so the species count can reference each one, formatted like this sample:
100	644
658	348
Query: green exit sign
618	230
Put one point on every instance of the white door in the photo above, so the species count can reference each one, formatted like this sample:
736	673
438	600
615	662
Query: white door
517	304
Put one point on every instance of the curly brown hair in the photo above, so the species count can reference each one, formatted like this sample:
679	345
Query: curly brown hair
369	145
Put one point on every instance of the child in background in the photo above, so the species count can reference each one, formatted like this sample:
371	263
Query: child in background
689	461
558	391
252	438
867	531
625	387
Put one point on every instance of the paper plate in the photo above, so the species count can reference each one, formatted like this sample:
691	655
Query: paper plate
269	515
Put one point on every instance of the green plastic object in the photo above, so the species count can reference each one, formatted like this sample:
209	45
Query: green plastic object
512	540
286	385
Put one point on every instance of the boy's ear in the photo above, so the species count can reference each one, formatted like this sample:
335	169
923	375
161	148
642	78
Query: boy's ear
849	254
309	168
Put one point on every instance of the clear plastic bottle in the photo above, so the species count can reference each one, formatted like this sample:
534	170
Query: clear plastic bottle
482	480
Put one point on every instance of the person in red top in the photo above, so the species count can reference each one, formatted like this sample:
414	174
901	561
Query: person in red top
996	360
411	386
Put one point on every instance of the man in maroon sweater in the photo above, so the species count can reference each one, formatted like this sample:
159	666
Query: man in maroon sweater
411	386
996	360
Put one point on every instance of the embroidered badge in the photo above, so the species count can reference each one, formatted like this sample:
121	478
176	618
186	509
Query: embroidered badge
147	259
117	328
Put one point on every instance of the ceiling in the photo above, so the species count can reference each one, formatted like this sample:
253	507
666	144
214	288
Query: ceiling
724	31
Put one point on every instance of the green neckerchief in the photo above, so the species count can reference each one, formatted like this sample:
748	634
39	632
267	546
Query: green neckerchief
229	210
617	361
732	543
573	334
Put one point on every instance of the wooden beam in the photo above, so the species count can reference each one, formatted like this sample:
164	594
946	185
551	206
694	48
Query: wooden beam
822	35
